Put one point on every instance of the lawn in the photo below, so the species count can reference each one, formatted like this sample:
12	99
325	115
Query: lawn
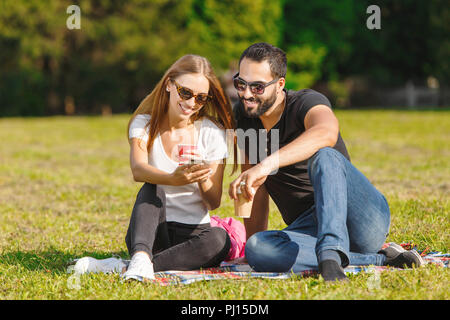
66	191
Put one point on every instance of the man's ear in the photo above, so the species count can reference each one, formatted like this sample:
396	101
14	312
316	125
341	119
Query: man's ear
281	83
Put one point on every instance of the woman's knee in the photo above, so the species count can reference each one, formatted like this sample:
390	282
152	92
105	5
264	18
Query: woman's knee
150	203
219	239
216	246
151	193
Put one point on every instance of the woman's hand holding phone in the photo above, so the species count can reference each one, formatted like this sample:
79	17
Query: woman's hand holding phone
193	171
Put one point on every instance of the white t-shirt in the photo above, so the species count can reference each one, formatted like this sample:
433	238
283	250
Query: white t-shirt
183	203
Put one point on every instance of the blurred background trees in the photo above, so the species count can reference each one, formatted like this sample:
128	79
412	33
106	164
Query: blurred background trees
124	47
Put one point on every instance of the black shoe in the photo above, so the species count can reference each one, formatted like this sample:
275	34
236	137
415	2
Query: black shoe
398	257
332	271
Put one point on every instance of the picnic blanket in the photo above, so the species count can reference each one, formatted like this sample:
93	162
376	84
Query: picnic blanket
245	272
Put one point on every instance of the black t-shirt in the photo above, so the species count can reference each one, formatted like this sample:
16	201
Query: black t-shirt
290	188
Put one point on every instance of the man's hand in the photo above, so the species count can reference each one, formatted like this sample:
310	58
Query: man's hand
249	181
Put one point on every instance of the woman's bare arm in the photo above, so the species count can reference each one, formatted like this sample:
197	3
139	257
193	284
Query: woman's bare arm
143	172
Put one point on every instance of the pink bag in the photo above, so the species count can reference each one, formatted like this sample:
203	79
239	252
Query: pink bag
236	231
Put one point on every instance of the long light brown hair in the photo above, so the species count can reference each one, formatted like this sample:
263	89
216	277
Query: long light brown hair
156	104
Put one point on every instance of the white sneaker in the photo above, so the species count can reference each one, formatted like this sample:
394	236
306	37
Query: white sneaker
89	264
140	268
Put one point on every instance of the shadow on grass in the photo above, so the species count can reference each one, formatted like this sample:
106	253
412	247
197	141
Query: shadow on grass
51	261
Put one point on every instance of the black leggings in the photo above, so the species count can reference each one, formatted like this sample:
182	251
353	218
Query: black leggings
172	245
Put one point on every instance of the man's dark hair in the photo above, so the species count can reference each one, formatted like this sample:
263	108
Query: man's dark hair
264	51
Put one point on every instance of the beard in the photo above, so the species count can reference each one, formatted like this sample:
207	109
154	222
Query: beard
262	105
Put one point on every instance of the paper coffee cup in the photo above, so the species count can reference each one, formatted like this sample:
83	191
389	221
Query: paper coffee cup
242	206
187	154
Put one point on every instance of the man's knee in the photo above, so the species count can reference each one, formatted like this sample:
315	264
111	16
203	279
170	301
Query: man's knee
265	252
251	245
325	158
323	154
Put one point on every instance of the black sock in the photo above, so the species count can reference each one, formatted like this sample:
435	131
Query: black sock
331	271
330	255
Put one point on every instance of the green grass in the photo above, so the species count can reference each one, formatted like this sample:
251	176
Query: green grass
66	191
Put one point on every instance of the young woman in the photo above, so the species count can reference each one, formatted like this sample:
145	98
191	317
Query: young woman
170	224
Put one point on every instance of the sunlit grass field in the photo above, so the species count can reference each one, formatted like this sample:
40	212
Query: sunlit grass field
66	191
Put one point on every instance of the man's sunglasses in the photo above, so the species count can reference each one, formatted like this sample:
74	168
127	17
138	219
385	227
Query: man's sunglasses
186	94
256	87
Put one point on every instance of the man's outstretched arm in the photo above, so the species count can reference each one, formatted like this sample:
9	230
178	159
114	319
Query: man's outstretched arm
321	130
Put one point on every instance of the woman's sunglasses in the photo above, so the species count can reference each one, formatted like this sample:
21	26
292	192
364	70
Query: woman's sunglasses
256	87
186	94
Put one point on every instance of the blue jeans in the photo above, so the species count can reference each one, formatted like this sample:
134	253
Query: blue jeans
349	216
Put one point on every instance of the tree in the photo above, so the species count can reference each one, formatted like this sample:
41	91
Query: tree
222	30
319	35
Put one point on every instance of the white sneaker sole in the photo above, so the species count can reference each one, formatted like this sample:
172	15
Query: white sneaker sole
421	261
92	265
126	277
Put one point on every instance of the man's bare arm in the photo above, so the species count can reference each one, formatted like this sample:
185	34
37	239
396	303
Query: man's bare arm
321	130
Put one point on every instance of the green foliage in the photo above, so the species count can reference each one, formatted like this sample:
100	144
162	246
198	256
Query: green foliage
438	40
304	64
326	27
25	90
222	30
411	45
121	50
124	47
